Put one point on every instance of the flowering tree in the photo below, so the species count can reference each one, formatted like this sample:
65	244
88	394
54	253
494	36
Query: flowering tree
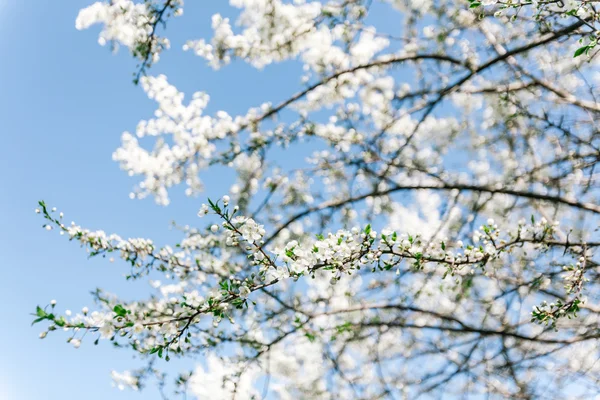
438	238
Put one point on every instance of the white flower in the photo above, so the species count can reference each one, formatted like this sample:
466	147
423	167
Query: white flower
106	330
203	210
138	328
193	298
250	230
244	291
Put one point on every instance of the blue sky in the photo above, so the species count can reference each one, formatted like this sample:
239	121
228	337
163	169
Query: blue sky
64	102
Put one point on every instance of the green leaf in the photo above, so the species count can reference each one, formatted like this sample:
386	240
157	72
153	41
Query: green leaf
120	310
345	327
40	312
580	51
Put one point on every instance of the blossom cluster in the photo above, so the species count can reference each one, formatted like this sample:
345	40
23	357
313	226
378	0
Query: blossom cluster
124	21
130	24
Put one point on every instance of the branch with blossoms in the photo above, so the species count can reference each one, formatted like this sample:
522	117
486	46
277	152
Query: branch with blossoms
165	324
581	10
199	152
134	25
